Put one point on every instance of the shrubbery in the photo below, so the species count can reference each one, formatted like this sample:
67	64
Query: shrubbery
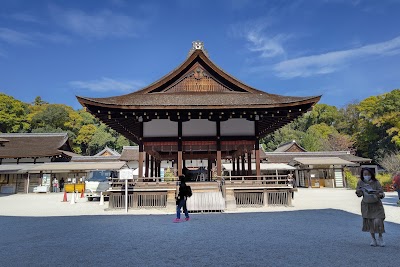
350	179
385	179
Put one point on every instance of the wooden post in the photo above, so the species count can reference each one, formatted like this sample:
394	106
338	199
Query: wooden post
238	166
179	163
257	149
257	152
180	148
219	169
249	171
152	166
218	162
141	155
243	166
147	165
141	148
209	167
233	166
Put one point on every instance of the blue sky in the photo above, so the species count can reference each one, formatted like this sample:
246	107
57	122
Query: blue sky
345	50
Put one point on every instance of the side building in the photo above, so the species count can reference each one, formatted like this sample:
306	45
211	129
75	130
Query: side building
317	169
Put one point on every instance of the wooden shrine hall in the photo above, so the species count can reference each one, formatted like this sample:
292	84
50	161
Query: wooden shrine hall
198	112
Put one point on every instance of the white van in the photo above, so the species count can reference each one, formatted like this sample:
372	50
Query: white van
99	182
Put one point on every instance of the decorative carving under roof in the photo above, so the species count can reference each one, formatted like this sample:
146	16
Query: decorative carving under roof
197	45
197	80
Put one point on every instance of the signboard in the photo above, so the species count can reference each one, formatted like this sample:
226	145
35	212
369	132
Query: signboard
46	179
126	174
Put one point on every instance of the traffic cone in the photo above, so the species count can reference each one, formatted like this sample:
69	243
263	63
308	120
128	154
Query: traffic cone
65	197
101	198
82	194
72	198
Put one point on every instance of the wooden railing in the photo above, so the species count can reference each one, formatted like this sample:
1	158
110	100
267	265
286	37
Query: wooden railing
249	199
263	179
257	199
138	200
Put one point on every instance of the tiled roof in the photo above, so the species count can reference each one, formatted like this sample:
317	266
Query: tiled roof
130	153
211	100
235	93
94	158
286	157
31	145
291	146
106	152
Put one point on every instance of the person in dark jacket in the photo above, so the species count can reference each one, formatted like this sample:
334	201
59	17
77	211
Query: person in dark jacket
181	200
61	184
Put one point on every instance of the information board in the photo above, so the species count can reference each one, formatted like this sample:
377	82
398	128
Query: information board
126	174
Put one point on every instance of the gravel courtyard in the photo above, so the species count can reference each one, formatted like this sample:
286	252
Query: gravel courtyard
322	229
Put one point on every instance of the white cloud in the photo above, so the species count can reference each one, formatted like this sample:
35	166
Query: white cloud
257	41
14	37
333	61
20	38
107	84
97	25
25	17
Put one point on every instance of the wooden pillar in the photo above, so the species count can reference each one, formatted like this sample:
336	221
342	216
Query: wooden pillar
233	166
159	168
141	153
238	166
219	160
180	148
146	173
179	163
257	152
249	171
152	166
219	169
209	167
257	149
243	168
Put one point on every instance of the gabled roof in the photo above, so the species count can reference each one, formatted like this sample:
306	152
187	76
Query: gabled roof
286	157
321	161
106	152
130	153
291	146
197	82
31	145
197	89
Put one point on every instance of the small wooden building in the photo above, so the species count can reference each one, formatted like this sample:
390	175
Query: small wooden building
25	149
317	169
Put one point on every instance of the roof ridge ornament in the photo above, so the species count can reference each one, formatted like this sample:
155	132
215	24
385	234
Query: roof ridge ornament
197	45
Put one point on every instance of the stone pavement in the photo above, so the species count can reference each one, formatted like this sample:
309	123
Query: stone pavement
322	229
305	199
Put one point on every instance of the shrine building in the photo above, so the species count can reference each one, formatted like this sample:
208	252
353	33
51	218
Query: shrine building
198	112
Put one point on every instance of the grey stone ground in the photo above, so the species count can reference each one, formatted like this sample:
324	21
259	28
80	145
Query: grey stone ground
302	236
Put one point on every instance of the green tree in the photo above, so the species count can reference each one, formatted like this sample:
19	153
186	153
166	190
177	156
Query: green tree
38	101
84	137
12	115
52	116
379	125
101	138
